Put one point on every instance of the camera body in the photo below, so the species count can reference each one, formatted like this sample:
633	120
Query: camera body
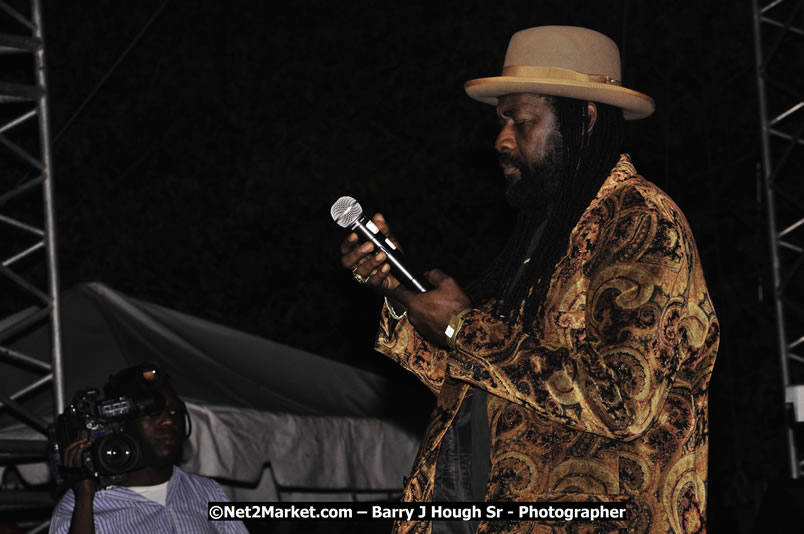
114	450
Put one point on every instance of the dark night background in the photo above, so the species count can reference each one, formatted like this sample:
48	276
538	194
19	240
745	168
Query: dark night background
200	174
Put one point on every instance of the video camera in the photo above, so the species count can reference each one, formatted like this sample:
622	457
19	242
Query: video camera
114	451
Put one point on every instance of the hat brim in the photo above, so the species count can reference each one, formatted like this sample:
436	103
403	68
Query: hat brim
635	105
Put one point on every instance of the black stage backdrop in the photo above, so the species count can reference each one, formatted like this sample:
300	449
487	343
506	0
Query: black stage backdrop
200	174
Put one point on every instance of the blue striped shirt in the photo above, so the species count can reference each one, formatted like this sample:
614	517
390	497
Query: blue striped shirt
121	510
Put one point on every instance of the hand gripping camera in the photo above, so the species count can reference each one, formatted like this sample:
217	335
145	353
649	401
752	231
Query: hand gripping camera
114	451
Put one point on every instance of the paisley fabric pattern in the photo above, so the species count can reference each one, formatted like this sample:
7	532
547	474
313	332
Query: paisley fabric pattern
604	398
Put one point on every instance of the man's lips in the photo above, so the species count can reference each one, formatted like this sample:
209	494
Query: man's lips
510	172
167	436
510	167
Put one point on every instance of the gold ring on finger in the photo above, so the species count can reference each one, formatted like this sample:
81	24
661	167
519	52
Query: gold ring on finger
359	277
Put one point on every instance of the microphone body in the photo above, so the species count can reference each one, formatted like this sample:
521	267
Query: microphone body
348	214
366	228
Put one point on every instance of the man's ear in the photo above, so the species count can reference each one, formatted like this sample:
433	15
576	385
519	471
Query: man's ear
591	113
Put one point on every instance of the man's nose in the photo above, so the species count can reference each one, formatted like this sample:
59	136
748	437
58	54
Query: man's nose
505	140
169	418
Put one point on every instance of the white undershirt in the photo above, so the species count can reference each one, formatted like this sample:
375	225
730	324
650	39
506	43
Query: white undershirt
156	493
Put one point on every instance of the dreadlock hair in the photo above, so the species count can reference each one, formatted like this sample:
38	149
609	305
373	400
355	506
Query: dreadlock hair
586	160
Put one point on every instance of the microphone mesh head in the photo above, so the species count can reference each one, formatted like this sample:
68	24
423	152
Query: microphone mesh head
345	211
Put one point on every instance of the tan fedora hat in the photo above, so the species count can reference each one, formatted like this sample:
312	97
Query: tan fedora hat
563	61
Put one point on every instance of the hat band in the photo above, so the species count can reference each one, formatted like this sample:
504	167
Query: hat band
557	73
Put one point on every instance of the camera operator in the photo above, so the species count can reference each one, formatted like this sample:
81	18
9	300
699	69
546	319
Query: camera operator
158	497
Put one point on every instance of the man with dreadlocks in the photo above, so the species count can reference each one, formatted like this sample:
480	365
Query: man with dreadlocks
577	368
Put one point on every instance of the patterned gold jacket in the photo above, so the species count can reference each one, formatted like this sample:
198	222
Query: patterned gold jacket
604	398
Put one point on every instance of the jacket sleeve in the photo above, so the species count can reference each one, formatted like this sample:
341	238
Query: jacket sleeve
399	341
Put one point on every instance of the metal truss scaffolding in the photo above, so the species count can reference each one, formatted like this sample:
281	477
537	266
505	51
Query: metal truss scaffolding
28	280
779	43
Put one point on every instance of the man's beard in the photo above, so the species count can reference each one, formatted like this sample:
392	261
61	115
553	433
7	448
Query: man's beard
155	460
538	182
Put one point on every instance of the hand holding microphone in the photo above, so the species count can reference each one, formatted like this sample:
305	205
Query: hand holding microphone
374	258
347	212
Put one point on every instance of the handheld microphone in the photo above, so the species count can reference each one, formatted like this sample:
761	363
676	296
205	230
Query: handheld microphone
347	212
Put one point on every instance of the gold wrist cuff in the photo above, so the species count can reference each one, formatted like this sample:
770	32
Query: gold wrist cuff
454	326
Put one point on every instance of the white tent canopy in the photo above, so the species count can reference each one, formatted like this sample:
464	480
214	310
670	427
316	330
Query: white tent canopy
319	426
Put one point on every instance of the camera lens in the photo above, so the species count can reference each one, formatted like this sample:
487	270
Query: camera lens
117	453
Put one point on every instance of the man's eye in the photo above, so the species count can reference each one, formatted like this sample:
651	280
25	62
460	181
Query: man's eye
519	124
